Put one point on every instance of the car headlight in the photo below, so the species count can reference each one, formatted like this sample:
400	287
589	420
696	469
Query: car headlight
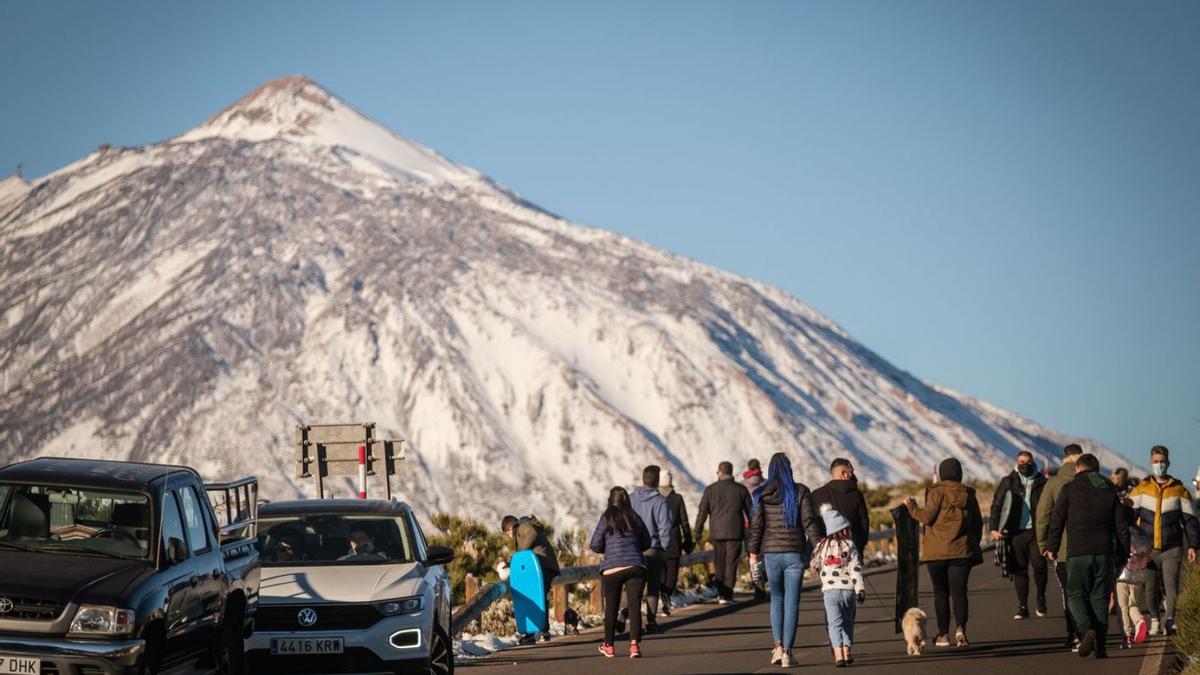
99	620
402	606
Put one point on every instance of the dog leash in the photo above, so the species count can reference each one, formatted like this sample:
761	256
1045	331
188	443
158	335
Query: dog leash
875	594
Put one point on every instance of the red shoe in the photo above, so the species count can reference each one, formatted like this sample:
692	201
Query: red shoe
607	650
1139	635
635	652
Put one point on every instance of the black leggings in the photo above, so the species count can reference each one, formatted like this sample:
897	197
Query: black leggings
633	579
949	578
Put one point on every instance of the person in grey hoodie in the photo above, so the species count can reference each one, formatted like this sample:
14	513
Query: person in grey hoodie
654	511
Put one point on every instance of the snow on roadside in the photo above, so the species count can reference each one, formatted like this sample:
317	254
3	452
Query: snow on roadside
470	646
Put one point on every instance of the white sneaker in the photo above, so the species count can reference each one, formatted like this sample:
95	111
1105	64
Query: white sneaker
776	655
1154	630
786	661
723	601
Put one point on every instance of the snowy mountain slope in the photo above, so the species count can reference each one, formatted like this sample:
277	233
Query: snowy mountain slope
289	260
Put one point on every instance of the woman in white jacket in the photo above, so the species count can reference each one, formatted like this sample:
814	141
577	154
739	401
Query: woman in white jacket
837	562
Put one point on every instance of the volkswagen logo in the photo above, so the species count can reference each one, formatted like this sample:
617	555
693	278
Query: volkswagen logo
6	605
307	617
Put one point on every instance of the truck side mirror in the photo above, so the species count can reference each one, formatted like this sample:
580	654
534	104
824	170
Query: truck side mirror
438	555
176	553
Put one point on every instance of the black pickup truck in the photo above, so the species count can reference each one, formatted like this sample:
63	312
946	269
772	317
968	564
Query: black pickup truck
119	568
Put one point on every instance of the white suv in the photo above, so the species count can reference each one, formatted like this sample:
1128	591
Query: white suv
349	586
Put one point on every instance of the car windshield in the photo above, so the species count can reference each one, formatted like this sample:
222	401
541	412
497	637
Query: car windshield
334	539
74	520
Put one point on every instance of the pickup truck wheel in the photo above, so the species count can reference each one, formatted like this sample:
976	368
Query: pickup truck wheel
441	653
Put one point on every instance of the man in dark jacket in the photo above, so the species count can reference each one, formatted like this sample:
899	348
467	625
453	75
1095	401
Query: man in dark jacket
681	540
1014	518
728	502
1091	513
843	495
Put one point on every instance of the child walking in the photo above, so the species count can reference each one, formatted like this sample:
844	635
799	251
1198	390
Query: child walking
1129	588
837	562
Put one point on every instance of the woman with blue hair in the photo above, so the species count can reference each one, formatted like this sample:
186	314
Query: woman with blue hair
783	530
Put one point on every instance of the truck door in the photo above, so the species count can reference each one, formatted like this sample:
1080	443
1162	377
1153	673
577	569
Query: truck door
209	564
177	582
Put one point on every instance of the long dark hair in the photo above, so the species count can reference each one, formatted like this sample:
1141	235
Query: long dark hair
617	515
780	473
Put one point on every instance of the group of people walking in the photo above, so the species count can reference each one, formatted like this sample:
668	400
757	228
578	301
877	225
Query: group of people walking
784	527
1107	540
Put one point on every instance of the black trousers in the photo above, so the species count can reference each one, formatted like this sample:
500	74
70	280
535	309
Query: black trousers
1025	555
949	579
633	581
1060	572
670	575
728	553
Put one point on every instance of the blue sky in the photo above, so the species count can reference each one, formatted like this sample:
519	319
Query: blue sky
1002	198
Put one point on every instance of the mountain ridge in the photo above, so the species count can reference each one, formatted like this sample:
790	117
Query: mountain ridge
193	300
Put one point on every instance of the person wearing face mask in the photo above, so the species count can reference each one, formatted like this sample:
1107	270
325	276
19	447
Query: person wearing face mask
1167	518
1013	517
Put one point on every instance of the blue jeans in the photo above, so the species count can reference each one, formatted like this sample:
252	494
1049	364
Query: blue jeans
839	617
785	573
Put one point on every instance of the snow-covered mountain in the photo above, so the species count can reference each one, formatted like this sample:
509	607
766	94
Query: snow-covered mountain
291	260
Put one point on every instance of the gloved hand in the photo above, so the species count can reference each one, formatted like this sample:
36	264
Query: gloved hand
502	570
862	597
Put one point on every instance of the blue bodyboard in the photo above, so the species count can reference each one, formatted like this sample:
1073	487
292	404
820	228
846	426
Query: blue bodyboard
528	592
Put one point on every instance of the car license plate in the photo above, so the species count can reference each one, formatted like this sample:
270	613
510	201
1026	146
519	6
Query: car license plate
20	664
299	646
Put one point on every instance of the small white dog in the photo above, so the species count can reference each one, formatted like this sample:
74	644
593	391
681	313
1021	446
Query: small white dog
913	625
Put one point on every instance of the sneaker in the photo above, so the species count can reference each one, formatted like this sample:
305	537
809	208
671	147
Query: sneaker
1087	643
664	603
1022	613
786	661
1127	643
942	641
1154	626
960	638
1170	625
723	601
1041	606
776	655
527	639
545	637
635	652
1139	631
1075	646
607	650
651	628
622	618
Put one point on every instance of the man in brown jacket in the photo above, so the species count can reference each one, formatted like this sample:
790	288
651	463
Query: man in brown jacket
1041	522
529	535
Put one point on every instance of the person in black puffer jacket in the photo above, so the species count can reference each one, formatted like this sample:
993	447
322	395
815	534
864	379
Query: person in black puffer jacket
842	495
783	530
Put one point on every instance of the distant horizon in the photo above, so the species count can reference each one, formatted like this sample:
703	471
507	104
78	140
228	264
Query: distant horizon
1000	202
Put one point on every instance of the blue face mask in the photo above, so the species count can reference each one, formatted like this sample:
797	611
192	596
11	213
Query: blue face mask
1158	469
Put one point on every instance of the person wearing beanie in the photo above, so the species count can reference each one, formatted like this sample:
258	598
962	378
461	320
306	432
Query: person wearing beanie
752	477
950	545
839	566
783	529
681	540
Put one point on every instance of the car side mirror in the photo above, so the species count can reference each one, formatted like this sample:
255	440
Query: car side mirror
176	553
438	555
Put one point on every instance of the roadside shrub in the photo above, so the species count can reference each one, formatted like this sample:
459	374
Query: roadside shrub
1187	619
476	548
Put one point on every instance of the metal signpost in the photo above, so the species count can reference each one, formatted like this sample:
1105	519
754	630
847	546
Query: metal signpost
346	450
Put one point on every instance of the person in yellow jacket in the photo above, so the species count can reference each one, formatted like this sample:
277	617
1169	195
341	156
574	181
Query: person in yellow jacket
1166	518
1041	522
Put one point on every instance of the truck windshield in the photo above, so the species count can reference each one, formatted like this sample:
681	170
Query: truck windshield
331	539
74	520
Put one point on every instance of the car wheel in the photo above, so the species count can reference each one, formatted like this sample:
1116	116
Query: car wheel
441	653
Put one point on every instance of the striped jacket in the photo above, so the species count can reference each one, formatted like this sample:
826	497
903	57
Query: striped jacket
1166	516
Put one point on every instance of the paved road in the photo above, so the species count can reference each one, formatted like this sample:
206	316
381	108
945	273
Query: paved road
737	639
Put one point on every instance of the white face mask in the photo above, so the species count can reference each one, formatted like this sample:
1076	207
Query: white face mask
1159	469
